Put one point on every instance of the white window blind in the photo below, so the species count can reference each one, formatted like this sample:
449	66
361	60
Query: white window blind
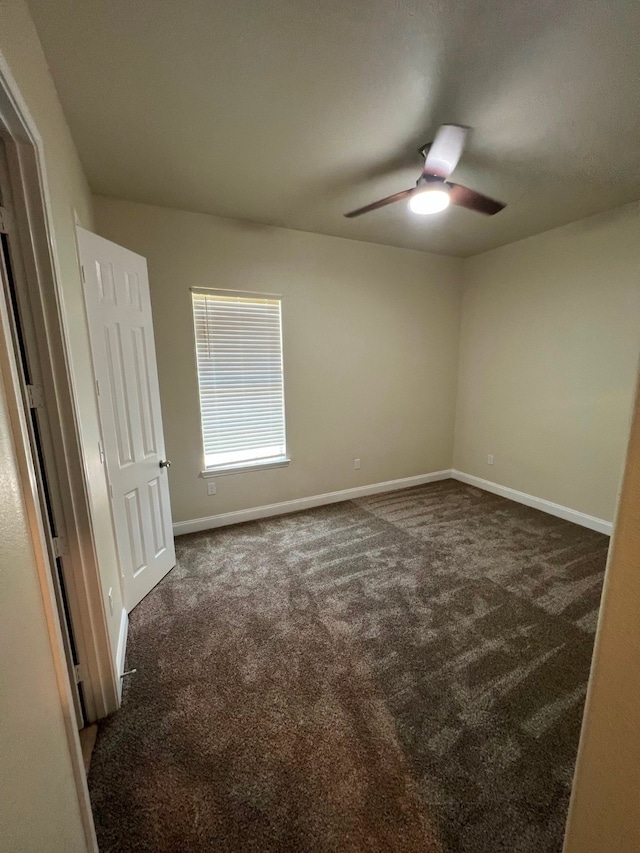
239	357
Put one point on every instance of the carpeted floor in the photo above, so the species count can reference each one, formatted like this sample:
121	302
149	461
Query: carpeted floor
401	673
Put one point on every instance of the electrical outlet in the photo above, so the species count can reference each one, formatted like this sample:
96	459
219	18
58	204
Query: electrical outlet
356	464
111	599
211	488
490	459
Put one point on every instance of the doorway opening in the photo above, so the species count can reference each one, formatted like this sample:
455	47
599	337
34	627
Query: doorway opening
41	379
23	334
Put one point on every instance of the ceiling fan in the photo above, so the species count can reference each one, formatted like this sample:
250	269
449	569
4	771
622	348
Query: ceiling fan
433	192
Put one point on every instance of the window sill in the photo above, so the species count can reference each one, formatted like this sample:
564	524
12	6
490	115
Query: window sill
280	462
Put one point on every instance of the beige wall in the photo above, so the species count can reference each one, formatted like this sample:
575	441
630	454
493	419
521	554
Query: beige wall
370	340
604	815
68	196
549	347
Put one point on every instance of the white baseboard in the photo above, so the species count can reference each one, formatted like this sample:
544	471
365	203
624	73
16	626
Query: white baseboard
558	510
122	649
197	524
223	519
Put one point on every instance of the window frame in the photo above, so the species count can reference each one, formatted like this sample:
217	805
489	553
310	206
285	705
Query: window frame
258	464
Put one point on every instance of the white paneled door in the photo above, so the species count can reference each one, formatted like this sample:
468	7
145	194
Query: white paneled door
116	290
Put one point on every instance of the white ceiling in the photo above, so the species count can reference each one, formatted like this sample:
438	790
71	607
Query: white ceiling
291	112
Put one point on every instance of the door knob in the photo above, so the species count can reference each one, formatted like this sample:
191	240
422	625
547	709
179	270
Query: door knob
165	463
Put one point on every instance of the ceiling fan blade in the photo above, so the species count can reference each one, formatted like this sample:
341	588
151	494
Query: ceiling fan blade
390	199
445	150
464	197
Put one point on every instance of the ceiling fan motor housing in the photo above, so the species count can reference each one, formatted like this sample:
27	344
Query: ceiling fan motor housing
430	180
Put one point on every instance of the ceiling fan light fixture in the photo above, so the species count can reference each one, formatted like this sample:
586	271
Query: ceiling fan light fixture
433	193
429	200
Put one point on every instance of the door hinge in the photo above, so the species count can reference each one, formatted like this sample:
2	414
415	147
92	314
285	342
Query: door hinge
6	220
83	276
80	673
59	546
35	394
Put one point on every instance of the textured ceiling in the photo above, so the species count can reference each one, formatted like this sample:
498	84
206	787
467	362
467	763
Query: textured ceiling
290	112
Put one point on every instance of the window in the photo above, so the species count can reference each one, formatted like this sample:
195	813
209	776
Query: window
239	357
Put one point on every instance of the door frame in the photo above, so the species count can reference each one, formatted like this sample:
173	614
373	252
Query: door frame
24	460
17	312
38	255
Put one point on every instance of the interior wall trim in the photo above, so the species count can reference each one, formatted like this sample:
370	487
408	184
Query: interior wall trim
558	510
122	649
226	518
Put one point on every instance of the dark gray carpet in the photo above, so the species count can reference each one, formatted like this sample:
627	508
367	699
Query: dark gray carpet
405	672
